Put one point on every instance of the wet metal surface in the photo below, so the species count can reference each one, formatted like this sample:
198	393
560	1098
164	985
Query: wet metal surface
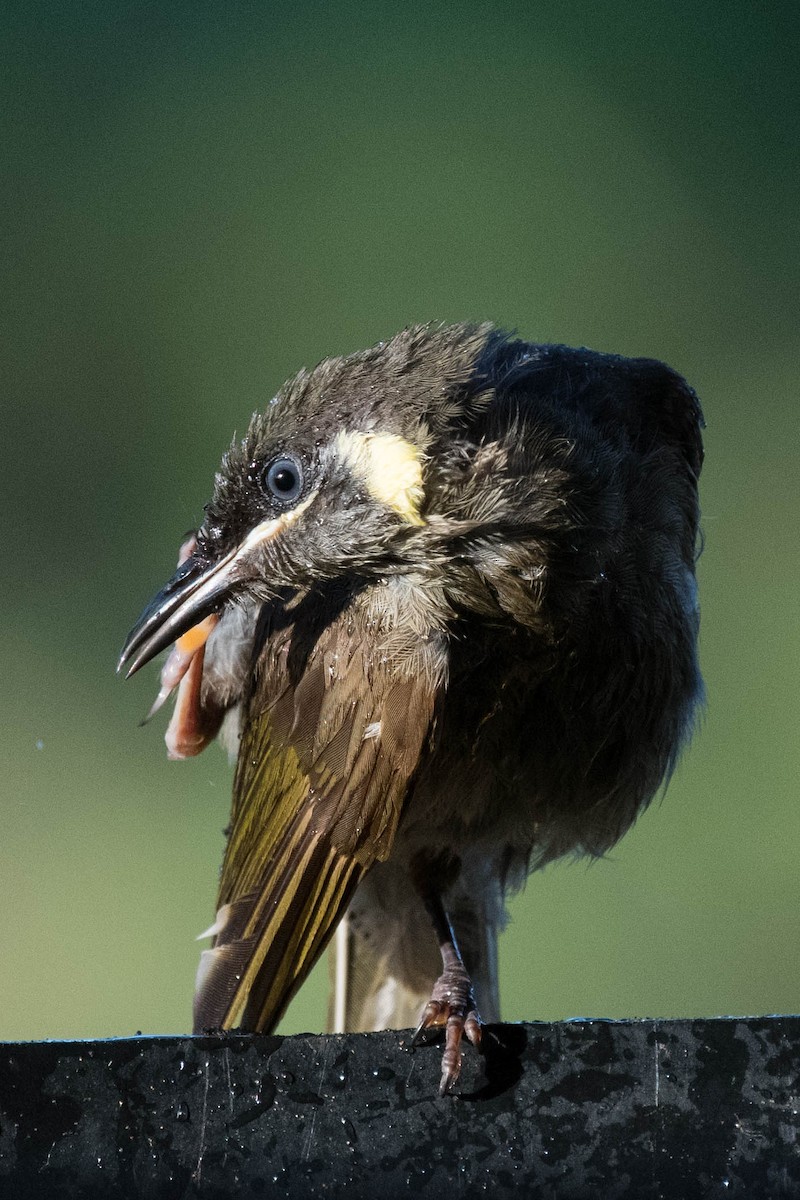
590	1109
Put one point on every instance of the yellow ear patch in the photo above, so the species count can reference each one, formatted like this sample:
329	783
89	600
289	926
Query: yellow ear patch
391	468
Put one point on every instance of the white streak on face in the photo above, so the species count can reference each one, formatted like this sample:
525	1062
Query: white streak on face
266	530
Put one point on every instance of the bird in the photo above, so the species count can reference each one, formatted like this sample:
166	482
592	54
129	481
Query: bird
442	609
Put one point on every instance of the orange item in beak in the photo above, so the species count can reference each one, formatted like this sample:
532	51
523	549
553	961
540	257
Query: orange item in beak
192	726
179	660
197	636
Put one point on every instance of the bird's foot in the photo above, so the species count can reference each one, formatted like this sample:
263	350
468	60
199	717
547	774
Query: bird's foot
452	1005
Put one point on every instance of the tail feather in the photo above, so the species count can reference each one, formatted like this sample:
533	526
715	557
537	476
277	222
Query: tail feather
364	994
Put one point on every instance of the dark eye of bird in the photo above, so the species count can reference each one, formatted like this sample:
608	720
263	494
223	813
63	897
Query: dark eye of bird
282	480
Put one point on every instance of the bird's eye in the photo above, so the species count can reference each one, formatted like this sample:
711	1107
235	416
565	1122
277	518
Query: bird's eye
282	480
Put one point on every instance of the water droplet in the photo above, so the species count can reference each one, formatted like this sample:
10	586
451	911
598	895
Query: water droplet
264	1094
350	1135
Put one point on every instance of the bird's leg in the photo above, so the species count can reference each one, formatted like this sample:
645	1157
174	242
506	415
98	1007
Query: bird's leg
452	1002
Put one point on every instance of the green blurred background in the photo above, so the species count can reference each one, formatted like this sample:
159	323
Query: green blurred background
203	197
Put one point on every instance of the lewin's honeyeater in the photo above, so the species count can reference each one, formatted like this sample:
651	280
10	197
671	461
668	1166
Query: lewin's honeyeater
442	606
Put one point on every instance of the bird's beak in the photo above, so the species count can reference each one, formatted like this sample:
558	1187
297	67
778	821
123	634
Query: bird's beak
195	591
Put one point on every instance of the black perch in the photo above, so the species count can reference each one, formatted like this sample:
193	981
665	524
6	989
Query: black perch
578	1110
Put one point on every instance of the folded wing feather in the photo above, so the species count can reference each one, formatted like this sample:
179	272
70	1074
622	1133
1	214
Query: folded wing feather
327	752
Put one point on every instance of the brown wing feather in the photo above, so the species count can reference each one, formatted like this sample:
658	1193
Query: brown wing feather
326	756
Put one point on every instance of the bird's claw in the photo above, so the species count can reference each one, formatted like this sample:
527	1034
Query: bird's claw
457	1013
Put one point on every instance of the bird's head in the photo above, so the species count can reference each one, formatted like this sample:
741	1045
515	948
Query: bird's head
329	482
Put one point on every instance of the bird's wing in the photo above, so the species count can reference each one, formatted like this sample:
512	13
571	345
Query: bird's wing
330	741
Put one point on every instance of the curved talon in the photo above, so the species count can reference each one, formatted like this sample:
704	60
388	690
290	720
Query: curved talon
435	1014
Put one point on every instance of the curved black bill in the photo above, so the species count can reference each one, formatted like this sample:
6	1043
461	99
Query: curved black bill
194	591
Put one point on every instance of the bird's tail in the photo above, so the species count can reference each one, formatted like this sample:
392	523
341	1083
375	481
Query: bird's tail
364	993
384	961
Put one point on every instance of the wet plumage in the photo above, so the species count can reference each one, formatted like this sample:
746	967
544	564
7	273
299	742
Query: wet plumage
456	639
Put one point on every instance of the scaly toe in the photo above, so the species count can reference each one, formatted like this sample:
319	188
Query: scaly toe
473	1028
440	1013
